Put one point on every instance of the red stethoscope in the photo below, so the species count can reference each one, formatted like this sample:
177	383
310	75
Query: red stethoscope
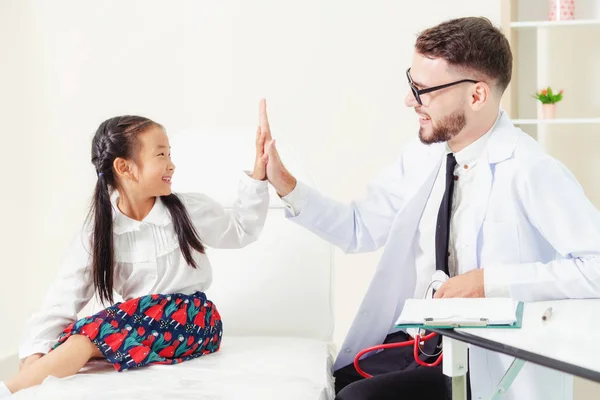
416	343
438	278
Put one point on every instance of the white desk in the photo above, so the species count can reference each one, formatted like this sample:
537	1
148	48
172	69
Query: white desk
565	342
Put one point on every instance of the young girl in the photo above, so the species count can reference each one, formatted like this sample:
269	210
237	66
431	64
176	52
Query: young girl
147	244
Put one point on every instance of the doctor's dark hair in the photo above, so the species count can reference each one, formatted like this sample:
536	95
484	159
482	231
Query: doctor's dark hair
117	137
472	43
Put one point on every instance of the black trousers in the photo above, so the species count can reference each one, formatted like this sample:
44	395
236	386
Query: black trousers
396	375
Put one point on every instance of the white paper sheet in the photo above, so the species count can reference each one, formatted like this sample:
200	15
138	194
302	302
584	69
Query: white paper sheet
498	311
245	368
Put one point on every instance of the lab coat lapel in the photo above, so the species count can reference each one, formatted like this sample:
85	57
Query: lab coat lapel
483	182
500	147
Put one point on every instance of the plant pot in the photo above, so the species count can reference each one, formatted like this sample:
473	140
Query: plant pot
561	10
549	111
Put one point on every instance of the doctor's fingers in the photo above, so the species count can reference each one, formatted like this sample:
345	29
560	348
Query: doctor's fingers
447	290
439	293
271	150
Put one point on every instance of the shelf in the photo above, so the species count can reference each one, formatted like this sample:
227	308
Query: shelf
552	24
557	121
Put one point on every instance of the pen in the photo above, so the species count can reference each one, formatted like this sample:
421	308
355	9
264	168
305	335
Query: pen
547	314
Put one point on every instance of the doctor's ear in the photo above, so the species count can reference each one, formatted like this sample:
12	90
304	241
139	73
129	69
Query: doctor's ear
480	94
124	169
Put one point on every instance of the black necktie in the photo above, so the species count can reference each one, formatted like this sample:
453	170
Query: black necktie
442	230
442	236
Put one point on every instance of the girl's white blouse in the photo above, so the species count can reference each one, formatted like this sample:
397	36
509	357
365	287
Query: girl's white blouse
147	258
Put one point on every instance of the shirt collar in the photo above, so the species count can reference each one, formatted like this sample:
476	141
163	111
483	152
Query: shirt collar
158	215
467	157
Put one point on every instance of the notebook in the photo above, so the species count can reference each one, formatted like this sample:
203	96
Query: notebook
461	312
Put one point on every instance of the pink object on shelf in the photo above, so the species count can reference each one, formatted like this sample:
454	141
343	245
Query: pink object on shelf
561	10
549	111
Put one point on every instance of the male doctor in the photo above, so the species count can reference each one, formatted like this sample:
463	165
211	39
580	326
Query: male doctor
474	197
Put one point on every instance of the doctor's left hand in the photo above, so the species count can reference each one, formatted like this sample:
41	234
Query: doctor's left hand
469	284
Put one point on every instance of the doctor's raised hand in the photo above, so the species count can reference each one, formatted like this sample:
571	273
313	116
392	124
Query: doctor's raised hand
277	174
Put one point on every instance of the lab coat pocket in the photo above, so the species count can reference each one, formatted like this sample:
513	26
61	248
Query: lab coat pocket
499	243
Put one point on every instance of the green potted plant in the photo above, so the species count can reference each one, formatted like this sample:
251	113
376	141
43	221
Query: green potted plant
548	100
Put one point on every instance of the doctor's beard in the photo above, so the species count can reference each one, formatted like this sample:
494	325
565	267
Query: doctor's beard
444	130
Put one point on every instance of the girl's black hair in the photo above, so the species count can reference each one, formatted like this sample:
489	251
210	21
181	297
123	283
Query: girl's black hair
117	137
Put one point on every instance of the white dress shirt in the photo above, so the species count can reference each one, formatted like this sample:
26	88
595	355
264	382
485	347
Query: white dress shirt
466	161
463	191
147	258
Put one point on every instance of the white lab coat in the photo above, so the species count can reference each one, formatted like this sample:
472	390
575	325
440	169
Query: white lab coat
533	230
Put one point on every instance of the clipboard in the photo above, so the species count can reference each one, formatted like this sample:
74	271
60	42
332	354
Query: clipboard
473	323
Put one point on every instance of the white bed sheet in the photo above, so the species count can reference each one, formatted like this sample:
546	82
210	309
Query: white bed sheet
244	368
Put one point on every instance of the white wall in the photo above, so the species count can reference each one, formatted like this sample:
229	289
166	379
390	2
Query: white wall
333	72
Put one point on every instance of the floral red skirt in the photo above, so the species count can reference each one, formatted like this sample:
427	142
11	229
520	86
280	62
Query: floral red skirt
153	329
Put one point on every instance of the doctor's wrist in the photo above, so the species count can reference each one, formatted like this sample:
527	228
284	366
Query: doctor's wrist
288	184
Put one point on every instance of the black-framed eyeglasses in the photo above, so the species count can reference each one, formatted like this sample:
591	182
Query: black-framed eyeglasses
418	92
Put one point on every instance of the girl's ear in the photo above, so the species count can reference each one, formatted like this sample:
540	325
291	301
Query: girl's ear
123	168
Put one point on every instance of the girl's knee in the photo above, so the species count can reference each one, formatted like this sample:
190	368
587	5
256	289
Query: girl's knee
83	343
